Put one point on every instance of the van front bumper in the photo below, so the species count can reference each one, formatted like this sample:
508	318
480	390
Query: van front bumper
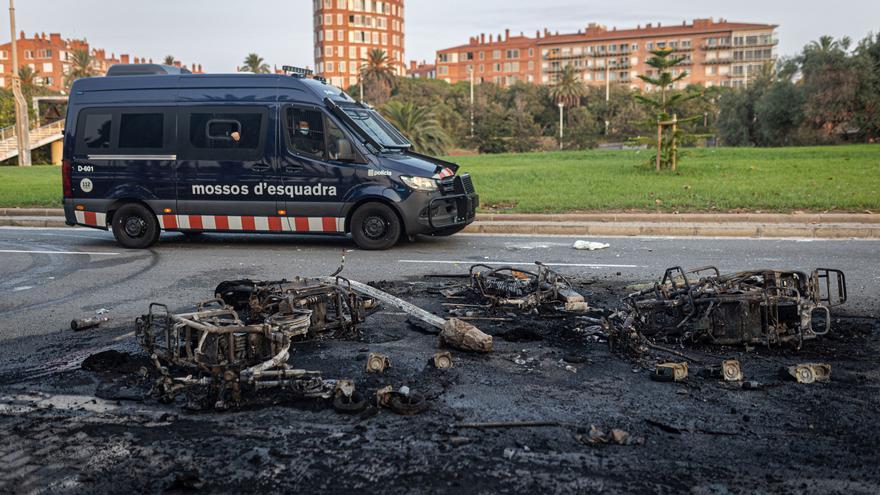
450	209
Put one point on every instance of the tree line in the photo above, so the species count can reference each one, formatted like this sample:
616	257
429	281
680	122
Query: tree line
828	93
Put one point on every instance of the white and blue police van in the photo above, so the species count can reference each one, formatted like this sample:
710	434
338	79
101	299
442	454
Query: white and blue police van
151	147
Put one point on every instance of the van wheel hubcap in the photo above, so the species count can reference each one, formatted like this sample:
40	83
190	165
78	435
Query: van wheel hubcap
375	227
135	226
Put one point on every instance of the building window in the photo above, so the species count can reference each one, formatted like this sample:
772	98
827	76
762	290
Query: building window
28	54
496	54
512	53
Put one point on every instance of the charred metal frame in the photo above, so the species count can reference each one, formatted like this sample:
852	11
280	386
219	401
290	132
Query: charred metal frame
230	351
524	289
765	306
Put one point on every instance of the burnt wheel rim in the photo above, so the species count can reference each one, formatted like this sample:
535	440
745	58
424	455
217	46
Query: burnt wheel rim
134	226
375	227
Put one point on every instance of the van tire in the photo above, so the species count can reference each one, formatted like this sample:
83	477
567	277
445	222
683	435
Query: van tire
135	226
375	227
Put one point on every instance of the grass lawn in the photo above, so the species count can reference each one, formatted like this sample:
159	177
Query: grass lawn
842	178
39	185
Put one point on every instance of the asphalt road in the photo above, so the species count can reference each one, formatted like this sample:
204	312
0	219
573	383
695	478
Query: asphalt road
50	276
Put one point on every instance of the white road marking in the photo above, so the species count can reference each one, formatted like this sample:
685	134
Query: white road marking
23	287
517	263
89	253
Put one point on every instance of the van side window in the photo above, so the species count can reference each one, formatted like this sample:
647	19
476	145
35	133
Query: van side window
305	132
141	130
96	130
222	134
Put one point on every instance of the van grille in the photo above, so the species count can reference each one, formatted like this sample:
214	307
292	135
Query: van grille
467	183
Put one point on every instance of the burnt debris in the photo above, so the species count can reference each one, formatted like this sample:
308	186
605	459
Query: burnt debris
243	337
754	307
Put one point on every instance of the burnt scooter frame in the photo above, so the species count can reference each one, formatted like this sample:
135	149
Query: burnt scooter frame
765	306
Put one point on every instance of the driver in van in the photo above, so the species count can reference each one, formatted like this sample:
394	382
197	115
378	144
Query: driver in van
305	141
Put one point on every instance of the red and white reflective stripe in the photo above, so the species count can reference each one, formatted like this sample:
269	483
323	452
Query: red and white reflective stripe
253	224
446	172
91	218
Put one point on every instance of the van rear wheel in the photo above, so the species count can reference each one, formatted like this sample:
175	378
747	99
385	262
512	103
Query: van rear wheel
135	226
375	226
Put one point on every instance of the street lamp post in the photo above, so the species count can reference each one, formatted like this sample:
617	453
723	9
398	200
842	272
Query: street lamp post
471	72
561	124
22	128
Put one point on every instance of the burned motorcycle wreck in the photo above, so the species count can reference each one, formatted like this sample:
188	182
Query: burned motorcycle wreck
754	307
523	289
243	337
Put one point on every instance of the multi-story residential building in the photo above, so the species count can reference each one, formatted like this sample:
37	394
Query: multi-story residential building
421	70
717	53
51	59
501	60
347	30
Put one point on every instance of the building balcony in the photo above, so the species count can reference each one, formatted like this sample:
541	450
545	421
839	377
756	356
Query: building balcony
563	57
621	53
718	61
725	46
611	67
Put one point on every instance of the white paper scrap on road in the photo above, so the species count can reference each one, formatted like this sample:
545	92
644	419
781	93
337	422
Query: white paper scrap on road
590	246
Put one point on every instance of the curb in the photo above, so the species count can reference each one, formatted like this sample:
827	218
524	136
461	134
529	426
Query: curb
610	217
599	229
721	229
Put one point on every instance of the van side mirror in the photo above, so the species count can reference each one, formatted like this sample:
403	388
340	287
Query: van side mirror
344	151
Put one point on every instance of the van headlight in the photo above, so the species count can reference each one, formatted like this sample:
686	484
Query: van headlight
419	183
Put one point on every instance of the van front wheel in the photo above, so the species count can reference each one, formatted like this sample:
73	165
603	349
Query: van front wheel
375	226
135	226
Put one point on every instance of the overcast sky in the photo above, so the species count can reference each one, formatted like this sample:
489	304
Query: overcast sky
219	33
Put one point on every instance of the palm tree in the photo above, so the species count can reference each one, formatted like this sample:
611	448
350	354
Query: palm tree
169	60
27	76
377	76
82	66
255	63
569	89
419	126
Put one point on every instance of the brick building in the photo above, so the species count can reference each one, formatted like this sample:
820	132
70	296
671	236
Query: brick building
421	70
718	53
347	30
51	59
501	60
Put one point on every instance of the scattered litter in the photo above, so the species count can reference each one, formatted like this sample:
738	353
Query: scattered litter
590	245
442	360
615	437
810	372
464	336
87	323
729	370
377	363
670	372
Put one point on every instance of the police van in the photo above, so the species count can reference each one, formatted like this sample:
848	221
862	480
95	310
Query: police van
150	148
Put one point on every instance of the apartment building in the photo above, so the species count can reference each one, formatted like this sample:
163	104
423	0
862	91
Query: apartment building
347	30
51	59
717	53
421	70
501	59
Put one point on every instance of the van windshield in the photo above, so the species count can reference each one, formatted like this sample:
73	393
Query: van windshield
377	127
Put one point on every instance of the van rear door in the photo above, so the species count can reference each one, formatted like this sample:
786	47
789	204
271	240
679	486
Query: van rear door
226	174
123	153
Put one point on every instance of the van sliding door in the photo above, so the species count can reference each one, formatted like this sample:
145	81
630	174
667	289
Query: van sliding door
226	175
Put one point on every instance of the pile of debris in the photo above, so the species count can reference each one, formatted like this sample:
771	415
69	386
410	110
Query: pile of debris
242	339
524	289
755	307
